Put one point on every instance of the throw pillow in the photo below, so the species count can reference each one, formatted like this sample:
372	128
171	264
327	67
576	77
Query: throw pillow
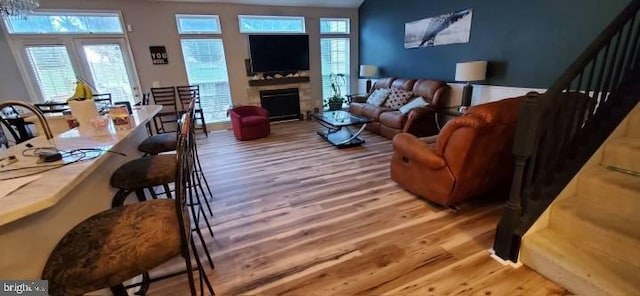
378	97
397	98
417	102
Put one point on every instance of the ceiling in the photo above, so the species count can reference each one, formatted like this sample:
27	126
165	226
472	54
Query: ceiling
308	3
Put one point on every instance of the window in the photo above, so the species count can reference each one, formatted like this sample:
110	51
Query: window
65	23
271	24
334	53
334	26
204	59
334	59
53	48
198	24
52	70
108	67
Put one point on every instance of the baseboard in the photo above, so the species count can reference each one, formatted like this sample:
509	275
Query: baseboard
504	262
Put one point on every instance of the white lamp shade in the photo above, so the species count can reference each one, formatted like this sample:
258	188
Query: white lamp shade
471	71
368	71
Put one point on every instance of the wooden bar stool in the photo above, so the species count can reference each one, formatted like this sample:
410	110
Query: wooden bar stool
115	245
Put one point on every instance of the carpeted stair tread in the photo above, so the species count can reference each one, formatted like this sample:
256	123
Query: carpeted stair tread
605	211
633	127
599	182
604	225
623	153
580	270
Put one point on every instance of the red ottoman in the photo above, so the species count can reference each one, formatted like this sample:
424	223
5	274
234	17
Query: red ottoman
249	122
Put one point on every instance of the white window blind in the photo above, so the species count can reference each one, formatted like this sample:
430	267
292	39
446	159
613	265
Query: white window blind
109	71
206	66
271	24
52	70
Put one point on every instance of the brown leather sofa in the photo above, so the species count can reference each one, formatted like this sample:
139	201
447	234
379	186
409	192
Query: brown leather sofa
419	121
471	155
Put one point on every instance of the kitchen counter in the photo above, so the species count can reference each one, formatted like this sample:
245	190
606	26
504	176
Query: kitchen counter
34	217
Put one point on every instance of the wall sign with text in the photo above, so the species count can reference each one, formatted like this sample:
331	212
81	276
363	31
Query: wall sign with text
159	55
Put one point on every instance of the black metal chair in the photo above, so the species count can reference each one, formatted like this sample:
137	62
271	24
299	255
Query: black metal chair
14	123
103	98
115	245
4	141
52	107
185	95
103	101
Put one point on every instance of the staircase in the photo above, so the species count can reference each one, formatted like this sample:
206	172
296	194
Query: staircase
591	245
573	212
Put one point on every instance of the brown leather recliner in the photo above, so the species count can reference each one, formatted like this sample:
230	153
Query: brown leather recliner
471	155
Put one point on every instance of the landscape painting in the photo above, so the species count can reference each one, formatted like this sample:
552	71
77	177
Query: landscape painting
439	30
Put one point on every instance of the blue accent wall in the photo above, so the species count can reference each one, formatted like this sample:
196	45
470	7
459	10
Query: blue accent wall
527	43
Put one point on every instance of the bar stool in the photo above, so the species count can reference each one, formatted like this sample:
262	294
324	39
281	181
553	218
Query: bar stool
148	172
158	143
141	173
186	93
168	116
162	143
117	244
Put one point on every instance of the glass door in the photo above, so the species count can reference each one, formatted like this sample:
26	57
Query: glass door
107	65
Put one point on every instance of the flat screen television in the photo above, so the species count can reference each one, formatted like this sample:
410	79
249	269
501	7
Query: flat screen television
279	53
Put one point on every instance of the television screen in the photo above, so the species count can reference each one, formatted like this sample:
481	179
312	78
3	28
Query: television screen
279	53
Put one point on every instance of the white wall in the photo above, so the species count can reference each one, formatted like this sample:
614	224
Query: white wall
11	84
153	23
487	93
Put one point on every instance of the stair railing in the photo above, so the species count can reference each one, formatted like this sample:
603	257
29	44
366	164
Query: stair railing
558	131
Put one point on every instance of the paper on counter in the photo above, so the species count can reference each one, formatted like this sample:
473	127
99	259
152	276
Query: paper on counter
8	186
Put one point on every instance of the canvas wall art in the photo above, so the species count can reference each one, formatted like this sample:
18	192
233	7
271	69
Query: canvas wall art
438	30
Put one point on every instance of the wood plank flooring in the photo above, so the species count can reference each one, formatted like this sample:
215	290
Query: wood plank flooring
296	216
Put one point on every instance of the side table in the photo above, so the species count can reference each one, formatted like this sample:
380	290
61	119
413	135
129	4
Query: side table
450	111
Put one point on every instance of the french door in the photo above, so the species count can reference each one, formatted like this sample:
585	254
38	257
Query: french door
107	65
54	64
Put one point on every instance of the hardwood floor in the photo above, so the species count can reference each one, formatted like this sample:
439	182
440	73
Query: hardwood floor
296	216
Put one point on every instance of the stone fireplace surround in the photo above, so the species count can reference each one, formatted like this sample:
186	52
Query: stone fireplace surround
304	91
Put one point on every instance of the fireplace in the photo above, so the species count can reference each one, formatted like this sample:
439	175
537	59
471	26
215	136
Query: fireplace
282	104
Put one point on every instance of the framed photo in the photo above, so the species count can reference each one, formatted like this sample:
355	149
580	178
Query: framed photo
444	29
159	55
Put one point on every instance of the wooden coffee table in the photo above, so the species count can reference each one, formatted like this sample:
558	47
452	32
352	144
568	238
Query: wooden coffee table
338	132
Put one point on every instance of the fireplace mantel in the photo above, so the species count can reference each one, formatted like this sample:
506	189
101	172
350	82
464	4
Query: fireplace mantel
278	81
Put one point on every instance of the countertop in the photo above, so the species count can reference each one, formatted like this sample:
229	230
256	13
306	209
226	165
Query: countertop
53	185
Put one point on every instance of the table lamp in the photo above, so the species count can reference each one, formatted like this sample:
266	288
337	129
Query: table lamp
368	71
467	72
